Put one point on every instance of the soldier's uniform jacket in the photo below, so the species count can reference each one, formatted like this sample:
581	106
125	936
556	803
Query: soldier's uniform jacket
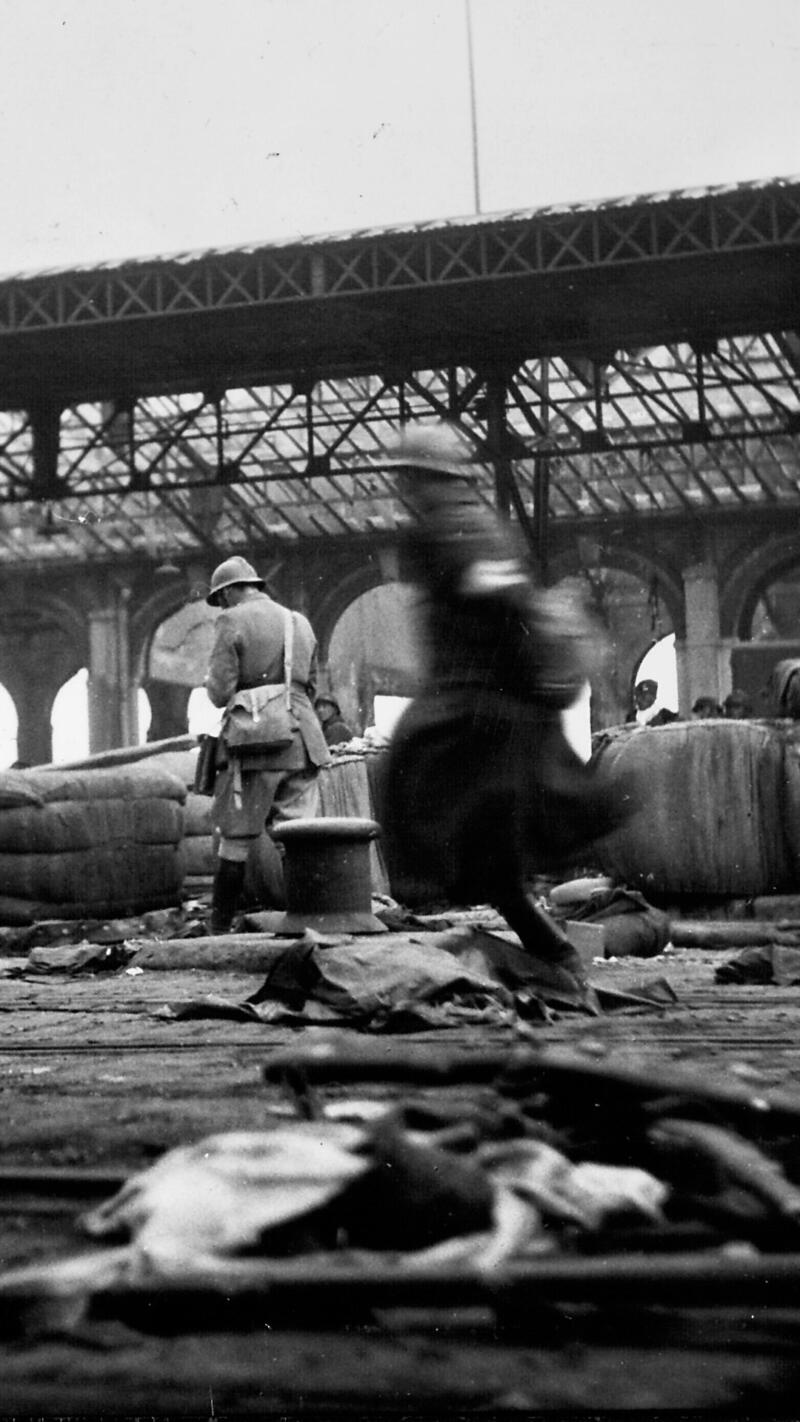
480	779
247	652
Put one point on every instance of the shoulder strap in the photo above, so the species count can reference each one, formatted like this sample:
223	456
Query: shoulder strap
288	651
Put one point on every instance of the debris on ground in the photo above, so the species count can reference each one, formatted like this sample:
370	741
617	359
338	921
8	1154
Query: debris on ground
631	926
542	1171
777	962
52	933
463	976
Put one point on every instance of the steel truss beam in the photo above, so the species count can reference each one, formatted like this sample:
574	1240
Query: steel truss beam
667	429
721	221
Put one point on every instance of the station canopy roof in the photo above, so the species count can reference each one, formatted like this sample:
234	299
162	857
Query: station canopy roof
648	351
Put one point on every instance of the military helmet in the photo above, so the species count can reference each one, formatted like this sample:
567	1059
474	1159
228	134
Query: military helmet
233	570
436	447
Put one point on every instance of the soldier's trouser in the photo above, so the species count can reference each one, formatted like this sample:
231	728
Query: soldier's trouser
267	798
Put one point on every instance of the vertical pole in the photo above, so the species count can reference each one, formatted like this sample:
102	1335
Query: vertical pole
541	485
309	426
701	388
473	108
130	433
219	435
541	515
45	420
496	432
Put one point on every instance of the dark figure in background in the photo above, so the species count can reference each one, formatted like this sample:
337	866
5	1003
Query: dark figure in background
261	787
645	696
706	709
334	728
736	706
480	782
785	688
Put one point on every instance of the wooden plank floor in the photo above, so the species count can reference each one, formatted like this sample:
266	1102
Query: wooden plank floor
89	1076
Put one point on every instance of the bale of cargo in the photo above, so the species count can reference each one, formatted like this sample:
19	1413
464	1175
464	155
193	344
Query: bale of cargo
717	813
16	789
198	822
346	790
197	854
198	816
101	843
790	732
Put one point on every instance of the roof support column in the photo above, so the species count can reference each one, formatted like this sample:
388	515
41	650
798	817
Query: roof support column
32	678
541	516
496	430
112	698
45	418
703	657
503	447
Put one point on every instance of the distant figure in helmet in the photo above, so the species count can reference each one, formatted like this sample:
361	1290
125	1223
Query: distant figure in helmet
260	787
335	729
481	784
737	706
646	711
706	708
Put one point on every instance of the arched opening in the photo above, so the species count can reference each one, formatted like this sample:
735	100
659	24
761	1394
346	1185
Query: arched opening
69	719
374	652
203	719
175	668
771	634
632	616
776	614
659	664
9	725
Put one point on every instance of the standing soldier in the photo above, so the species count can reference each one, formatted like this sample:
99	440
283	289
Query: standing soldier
257	787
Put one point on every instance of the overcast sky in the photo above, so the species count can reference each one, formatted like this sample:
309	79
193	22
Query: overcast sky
141	127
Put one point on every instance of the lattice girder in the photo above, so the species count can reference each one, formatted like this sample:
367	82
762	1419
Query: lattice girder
747	217
663	430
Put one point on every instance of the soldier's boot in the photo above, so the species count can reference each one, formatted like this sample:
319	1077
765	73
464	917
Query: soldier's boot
228	885
561	966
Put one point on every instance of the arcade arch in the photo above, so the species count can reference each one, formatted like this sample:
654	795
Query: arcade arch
42	643
369	645
69	719
371	650
9	725
769	631
374	650
750	573
634	619
174	664
775	615
660	664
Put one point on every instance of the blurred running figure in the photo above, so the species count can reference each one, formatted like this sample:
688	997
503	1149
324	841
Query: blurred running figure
481	784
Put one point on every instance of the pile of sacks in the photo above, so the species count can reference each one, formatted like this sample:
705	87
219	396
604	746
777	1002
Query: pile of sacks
89	844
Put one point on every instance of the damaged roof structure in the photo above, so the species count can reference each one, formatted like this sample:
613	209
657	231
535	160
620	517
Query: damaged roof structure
642	353
248	1200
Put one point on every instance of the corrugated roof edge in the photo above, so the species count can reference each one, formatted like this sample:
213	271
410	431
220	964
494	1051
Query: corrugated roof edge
482	219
